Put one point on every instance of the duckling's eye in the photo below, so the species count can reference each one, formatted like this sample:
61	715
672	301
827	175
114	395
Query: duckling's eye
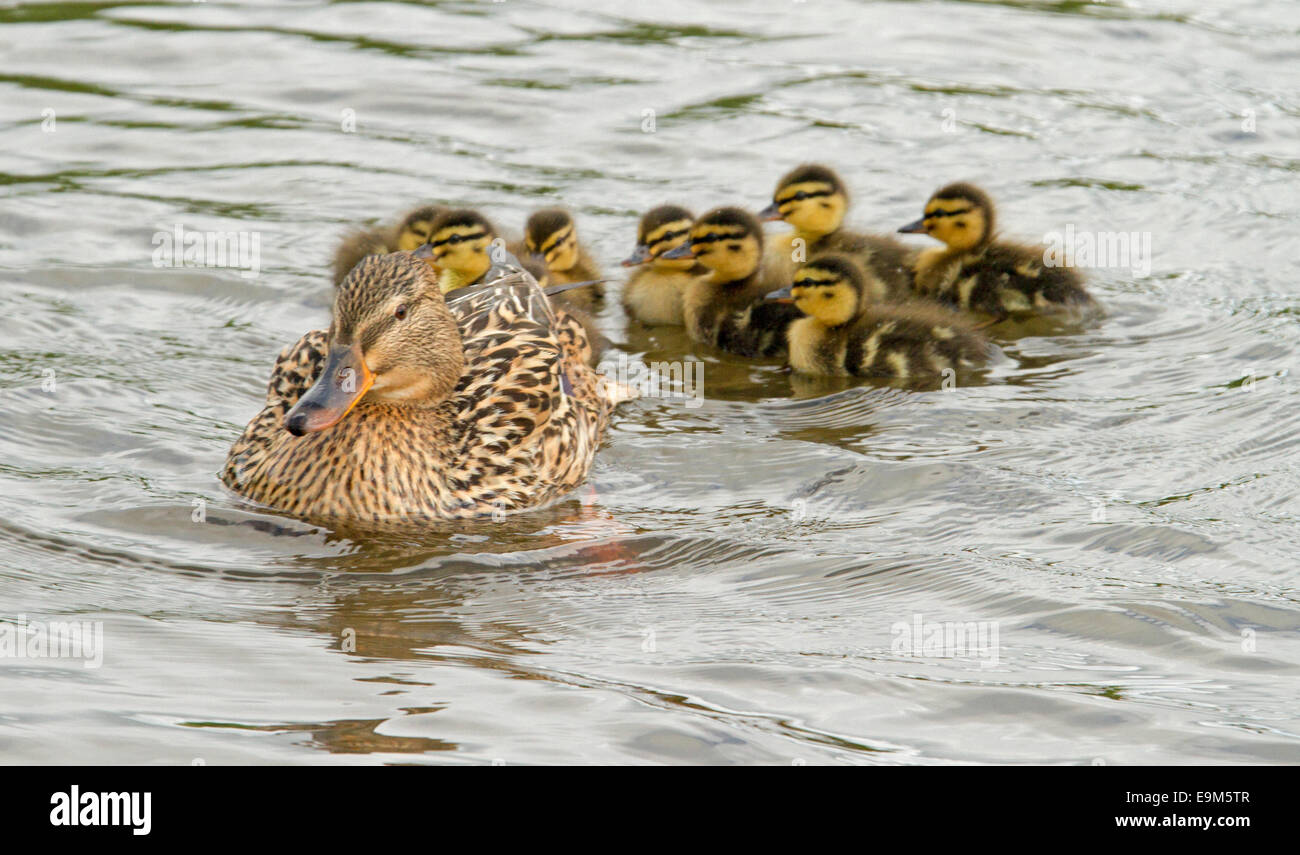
961	224
826	295
800	196
733	247
400	312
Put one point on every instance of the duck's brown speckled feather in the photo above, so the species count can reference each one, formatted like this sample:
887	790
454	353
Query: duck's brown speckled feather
520	429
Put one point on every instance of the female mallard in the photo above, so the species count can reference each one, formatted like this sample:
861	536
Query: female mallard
415	407
726	308
409	233
975	270
844	333
551	239
653	293
814	200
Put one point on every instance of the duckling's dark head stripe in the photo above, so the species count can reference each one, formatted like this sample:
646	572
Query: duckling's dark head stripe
658	217
459	237
833	267
427	213
811	172
545	223
963	190
670	236
463	217
736	223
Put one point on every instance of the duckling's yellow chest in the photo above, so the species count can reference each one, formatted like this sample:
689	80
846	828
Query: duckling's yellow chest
814	349
655	297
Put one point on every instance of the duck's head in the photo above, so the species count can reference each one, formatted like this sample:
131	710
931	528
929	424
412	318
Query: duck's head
392	339
414	230
728	241
551	237
961	215
660	230
812	198
832	289
459	242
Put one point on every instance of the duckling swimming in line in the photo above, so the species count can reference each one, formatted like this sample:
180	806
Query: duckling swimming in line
814	200
726	308
844	333
410	232
653	293
414	406
459	242
551	239
977	271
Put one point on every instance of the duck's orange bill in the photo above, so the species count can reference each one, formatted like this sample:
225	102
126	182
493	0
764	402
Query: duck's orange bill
344	381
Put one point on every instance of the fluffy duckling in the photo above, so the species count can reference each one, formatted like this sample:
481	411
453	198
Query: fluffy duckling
551	238
977	271
415	407
653	293
843	332
460	242
814	200
726	308
410	232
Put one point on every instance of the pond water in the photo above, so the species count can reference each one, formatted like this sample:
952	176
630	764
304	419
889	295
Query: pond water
775	576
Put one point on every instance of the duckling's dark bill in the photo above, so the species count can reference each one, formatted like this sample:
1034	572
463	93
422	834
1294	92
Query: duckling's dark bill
344	381
686	250
915	228
781	295
770	213
640	255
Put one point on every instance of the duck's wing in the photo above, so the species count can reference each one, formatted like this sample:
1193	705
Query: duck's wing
508	298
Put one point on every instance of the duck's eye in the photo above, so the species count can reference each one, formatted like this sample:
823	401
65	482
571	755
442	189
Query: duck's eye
827	295
800	196
733	247
961	224
400	312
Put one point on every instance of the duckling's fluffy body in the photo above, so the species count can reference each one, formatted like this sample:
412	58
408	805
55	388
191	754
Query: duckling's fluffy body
814	200
843	332
978	271
726	309
479	404
551	238
654	291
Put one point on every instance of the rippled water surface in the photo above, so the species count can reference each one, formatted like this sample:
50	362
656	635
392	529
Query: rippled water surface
1117	502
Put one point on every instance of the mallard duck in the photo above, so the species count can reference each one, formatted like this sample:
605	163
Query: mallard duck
410	232
844	332
975	270
460	241
551	238
814	199
653	293
414	406
725	308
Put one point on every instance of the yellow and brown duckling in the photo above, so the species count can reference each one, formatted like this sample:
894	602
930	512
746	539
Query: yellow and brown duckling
654	292
844	332
413	406
725	308
409	233
551	238
814	200
460	242
976	270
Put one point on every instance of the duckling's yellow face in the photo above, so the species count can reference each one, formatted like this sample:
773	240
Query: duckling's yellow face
463	249
666	237
414	234
559	247
728	249
812	207
823	295
960	223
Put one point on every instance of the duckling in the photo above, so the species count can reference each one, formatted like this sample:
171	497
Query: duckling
977	271
411	231
843	332
725	308
653	293
416	407
551	237
459	241
814	199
